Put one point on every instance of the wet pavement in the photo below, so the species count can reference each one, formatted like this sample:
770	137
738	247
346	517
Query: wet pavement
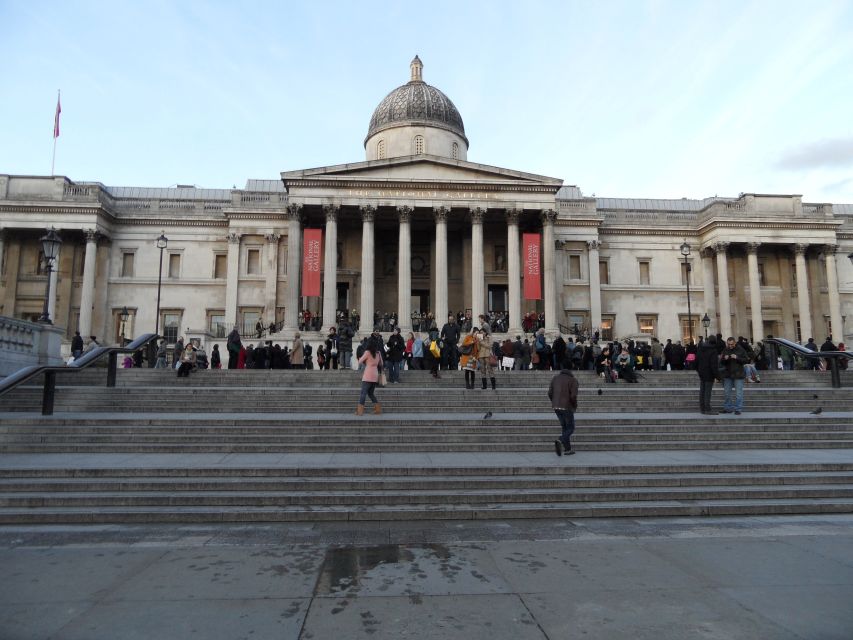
757	578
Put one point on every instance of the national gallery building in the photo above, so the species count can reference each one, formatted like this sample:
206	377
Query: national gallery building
416	226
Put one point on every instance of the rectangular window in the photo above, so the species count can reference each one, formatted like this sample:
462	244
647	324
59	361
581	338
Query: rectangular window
171	323
253	262
127	265
216	323
220	266
648	324
250	319
645	270
574	267
689	327
606	331
603	272
685	273
174	265
762	281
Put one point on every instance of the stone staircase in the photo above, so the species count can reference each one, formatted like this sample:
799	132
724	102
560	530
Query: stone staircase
259	446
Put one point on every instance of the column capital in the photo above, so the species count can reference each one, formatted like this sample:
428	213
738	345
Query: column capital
273	238
477	215
512	215
405	213
830	249
294	211
331	212
234	237
706	252
752	247
92	235
549	216
721	247
440	213
593	245
800	249
368	212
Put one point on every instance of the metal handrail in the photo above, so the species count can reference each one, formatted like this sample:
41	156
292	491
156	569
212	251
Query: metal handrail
84	361
832	357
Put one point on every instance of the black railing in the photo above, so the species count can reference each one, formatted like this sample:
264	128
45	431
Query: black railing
832	357
84	361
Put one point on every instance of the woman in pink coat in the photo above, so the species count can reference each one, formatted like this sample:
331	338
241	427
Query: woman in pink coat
372	366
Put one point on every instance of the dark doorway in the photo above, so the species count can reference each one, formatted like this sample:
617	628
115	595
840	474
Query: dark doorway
498	297
343	296
420	300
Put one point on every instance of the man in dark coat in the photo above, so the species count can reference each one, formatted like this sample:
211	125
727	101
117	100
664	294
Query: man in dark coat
396	348
708	368
563	393
77	345
731	363
345	336
450	338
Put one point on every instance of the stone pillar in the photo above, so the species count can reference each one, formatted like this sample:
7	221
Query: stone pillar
2	253
754	291
803	292
270	293
513	247
368	260
13	259
478	294
294	258
832	292
232	281
723	283
440	305
708	289
87	294
550	293
330	268
54	284
404	271
594	285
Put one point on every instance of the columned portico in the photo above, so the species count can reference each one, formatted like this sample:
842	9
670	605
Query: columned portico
832	291
594	284
708	287
232	280
803	292
87	294
330	268
754	291
478	294
294	253
550	294
441	214
368	259
514	269
404	270
723	284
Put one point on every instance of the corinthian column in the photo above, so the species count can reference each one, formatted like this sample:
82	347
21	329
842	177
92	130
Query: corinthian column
513	270
270	292
832	291
478	294
723	281
594	285
294	257
232	280
803	292
368	259
708	287
330	268
87	295
754	291
404	271
550	295
440	305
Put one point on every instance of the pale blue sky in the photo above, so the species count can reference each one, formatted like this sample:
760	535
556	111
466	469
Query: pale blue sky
624	99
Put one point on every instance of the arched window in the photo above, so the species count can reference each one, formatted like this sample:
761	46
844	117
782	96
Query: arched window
419	145
454	151
380	150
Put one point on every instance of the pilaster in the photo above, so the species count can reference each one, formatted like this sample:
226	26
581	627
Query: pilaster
550	294
723	295
513	247
440	305
368	262
803	303
478	293
294	258
270	293
330	267
233	280
830	251
592	247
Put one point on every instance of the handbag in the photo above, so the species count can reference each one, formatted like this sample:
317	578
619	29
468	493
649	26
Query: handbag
382	380
493	360
434	350
534	358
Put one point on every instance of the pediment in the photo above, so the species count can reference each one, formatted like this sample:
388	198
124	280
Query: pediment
421	169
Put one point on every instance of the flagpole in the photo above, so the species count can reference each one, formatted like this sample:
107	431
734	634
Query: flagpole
55	133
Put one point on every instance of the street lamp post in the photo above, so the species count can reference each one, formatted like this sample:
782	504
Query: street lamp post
685	251
122	316
706	322
162	243
50	244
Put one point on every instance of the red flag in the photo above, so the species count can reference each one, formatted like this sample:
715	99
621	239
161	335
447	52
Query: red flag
312	256
56	118
532	280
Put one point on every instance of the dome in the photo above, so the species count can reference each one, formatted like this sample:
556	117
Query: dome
417	103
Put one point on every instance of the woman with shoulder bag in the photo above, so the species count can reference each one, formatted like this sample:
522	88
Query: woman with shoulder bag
468	360
484	355
372	361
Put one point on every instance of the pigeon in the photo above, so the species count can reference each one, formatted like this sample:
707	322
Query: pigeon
487	416
600	391
817	411
814	396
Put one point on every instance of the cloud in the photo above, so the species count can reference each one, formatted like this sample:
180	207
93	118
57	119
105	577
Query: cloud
837	152
838	186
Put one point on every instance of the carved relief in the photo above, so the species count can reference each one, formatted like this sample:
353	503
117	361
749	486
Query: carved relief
294	211
752	247
234	238
273	238
549	216
92	235
368	212
801	249
593	245
405	213
721	247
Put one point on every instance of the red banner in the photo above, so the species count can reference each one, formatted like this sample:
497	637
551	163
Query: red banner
312	257
532	272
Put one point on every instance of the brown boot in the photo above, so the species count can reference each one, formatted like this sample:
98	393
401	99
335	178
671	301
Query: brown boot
377	408
359	410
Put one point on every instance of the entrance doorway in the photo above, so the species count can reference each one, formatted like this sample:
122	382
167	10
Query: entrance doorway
420	300
498	297
343	296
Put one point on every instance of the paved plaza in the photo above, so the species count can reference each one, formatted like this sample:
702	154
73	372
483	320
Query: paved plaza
776	577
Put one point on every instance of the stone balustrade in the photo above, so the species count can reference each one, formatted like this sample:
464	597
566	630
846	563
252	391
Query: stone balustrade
25	343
